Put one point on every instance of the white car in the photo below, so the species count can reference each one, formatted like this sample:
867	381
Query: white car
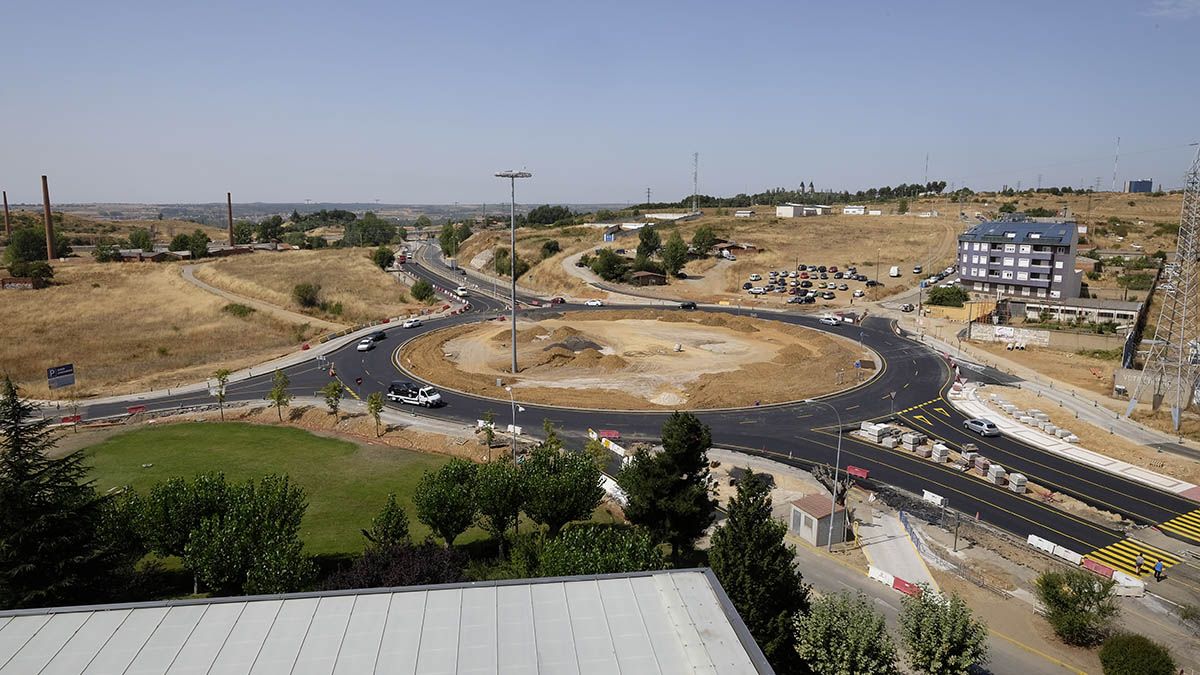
858	293
829	321
410	323
755	277
757	290
366	345
594	303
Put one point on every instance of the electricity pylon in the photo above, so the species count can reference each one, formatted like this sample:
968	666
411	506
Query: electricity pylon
1173	362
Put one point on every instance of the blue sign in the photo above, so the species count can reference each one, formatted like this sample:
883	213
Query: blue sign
858	364
61	376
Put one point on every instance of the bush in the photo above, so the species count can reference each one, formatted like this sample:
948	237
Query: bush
1129	654
550	247
953	296
383	257
36	269
422	291
1079	606
307	295
237	309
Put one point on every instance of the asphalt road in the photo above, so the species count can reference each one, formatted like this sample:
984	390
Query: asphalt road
798	434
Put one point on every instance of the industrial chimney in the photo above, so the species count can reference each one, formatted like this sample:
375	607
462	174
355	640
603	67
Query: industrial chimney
49	219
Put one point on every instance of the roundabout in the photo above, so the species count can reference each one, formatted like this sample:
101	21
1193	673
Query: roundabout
640	359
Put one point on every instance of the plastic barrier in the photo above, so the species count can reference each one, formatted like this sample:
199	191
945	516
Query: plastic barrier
1128	585
935	499
72	419
1101	570
1068	555
1044	545
613	490
135	409
905	587
855	471
880	576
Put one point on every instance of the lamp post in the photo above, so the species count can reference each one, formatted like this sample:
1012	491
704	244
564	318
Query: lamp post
512	177
836	464
513	434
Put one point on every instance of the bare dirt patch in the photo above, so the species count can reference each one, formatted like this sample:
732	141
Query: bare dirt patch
628	359
129	327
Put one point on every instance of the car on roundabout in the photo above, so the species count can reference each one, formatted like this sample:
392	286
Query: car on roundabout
365	345
981	426
830	321
687	305
411	323
594	303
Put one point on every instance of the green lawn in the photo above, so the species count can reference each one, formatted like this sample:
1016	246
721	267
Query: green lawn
346	484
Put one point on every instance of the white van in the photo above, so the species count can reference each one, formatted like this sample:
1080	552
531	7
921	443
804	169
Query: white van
895	271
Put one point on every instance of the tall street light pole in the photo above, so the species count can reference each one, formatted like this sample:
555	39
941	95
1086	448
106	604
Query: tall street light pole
512	176
837	463
512	399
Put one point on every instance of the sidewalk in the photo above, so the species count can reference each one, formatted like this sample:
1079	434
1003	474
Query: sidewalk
888	547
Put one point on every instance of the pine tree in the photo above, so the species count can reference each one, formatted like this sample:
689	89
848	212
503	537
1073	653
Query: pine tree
54	543
670	493
758	571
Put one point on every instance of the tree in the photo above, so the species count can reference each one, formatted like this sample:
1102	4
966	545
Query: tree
141	238
499	489
104	253
596	548
489	430
333	396
375	409
758	572
674	254
1130	654
447	240
504	266
422	222
180	242
295	217
269	229
648	242
422	291
390	527
669	493
175	508
219	393
941	636
253	546
550	247
547	215
25	245
444	501
844	634
55	547
462	232
560	486
401	565
902	207
198	244
279	396
1079	605
307	295
383	257
609	266
954	296
243	232
703	240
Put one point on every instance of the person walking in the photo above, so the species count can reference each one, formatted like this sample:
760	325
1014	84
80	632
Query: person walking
1137	564
1158	570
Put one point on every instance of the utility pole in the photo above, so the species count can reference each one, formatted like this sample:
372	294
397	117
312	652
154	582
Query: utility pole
7	224
49	219
647	197
1116	160
229	208
695	179
512	176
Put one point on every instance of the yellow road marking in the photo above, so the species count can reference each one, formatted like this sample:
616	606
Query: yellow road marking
1187	525
1122	555
943	411
922	418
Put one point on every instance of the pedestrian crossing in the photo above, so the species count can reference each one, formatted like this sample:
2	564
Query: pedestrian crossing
1187	525
1123	556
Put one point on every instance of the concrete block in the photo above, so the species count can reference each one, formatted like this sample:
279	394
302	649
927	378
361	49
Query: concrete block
1017	483
1041	417
889	441
924	451
1072	438
1025	419
1062	433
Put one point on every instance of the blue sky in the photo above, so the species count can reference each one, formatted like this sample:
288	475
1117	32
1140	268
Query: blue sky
423	102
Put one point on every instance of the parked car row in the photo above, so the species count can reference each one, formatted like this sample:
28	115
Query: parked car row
807	282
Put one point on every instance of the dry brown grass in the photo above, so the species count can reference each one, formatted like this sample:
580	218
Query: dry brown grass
92	230
128	327
346	276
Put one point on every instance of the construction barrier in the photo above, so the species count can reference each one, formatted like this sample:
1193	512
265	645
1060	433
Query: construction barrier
72	419
135	409
935	499
613	490
1128	585
861	474
880	576
1095	567
1043	545
1068	555
905	587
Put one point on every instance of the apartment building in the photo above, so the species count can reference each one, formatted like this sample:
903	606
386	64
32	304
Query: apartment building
1021	259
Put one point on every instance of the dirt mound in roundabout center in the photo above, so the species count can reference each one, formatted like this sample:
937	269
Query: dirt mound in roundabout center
638	359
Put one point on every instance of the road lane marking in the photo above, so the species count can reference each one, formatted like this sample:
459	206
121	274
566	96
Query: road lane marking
942	410
1187	525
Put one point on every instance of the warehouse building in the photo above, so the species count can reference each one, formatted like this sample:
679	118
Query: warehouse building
1135	186
1021	259
673	621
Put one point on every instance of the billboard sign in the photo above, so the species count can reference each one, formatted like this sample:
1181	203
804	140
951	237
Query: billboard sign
61	376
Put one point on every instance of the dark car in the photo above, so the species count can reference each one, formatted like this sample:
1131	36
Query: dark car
557	301
872	282
837	275
822	268
795	301
824	275
806	284
687	305
377	335
747	286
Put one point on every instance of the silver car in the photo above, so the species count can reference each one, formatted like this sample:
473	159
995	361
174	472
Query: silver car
982	426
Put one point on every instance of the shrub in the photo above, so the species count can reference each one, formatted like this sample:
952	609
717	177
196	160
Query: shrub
953	296
550	247
1079	606
1129	654
237	309
422	291
307	295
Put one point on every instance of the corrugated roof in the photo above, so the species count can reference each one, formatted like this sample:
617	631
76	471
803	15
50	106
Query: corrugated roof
677	621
